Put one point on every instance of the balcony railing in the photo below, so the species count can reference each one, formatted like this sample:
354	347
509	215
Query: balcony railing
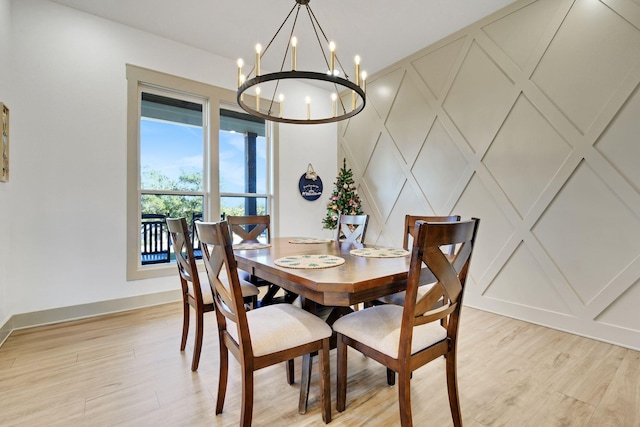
155	243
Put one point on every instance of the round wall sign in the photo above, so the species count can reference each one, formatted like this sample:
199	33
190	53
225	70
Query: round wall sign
310	189
310	184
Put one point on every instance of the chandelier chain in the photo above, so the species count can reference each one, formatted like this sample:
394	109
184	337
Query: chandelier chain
284	58
312	18
274	37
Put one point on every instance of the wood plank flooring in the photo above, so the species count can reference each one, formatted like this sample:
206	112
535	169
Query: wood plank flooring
126	369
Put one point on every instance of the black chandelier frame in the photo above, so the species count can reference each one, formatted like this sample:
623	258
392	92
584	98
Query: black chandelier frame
340	83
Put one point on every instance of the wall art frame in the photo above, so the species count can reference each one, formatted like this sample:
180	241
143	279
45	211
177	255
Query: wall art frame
4	152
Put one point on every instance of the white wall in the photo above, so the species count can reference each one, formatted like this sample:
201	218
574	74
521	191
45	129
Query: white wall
5	205
69	153
297	216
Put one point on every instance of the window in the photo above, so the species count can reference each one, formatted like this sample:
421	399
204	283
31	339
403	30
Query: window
189	153
244	177
172	144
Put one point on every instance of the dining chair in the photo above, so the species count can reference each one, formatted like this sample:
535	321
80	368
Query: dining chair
408	337
409	237
398	297
249	228
352	228
257	338
195	293
254	229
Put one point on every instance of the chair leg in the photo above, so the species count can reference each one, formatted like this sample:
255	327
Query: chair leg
305	379
325	381
391	377
341	379
290	372
404	397
185	325
247	396
452	387
197	348
222	377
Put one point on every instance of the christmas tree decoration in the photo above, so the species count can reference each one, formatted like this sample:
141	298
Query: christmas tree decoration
344	199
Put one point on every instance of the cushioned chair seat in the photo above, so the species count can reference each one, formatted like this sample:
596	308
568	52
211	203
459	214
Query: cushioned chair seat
281	326
379	328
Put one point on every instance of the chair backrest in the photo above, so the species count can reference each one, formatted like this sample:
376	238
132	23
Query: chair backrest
195	240
410	227
450	271
250	228
352	228
154	239
217	252
185	260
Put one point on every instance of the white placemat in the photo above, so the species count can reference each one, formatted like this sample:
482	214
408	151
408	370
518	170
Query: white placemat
241	246
309	261
380	252
309	240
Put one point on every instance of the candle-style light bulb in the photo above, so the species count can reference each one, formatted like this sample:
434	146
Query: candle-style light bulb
294	48
332	49
364	80
258	51
357	61
240	64
334	98
308	101
258	98
281	99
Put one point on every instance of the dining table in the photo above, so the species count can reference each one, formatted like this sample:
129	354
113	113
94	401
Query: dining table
327	273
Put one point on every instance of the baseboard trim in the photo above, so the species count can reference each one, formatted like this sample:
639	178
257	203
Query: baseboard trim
81	311
5	330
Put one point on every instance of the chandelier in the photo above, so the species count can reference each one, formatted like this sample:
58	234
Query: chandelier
270	90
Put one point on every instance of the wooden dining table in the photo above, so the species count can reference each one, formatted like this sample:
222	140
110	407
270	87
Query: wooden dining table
357	280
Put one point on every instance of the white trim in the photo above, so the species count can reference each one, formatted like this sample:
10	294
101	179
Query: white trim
83	311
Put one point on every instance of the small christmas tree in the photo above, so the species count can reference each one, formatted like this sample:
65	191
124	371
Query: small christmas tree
344	199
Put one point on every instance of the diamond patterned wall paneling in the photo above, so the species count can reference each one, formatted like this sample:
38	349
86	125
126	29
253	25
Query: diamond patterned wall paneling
382	92
519	32
435	67
627	302
593	51
479	98
534	288
409	120
439	167
384	178
527	120
408	201
476	201
525	155
582	226
626	126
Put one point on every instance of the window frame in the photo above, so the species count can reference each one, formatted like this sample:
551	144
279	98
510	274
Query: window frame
269	172
213	98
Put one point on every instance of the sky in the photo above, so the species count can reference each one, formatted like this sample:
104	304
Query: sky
172	147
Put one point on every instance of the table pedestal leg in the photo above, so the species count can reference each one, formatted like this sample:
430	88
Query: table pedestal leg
330	315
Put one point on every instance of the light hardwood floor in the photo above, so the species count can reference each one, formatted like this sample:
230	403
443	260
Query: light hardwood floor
126	369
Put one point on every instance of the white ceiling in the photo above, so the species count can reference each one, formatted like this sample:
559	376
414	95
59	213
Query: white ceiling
380	31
